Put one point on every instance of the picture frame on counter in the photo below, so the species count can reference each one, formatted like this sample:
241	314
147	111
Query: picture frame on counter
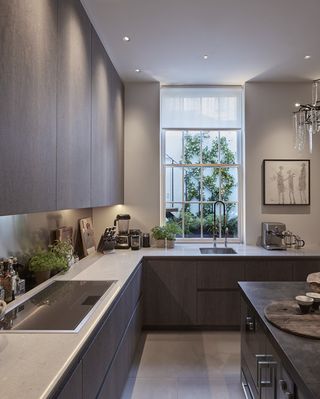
286	182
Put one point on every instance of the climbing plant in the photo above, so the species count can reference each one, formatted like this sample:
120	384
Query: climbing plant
216	152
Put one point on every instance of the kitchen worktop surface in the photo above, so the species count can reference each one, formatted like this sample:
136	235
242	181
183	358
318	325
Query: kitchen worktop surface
35	362
299	355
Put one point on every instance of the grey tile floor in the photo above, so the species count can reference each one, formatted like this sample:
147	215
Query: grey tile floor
183	365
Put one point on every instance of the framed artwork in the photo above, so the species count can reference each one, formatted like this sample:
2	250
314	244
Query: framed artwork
286	182
87	235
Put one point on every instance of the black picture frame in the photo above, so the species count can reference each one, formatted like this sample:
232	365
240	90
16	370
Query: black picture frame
286	182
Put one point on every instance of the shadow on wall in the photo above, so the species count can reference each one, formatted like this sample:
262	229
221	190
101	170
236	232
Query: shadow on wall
21	234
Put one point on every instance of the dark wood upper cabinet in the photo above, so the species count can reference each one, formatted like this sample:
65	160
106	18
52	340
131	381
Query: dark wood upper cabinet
73	106
28	71
107	129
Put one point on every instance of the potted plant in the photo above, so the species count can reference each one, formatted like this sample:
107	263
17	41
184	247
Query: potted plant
43	262
64	249
166	234
172	229
159	234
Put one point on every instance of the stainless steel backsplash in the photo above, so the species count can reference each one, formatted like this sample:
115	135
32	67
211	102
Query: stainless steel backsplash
20	234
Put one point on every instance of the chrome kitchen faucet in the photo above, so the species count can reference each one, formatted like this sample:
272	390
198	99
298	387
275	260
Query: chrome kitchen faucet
226	230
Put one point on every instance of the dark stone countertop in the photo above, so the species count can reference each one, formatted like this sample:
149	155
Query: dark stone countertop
300	356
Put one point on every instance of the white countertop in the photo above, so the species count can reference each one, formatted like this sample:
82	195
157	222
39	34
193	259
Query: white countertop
33	363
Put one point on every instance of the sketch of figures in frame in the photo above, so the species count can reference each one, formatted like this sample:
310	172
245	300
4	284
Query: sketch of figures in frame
286	182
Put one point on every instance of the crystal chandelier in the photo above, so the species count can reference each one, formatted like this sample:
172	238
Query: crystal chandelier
307	119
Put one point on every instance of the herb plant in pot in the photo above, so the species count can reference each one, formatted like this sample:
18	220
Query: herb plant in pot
172	229
159	234
43	262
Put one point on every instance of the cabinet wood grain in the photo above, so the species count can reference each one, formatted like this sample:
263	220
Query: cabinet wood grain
28	71
169	289
221	274
73	106
99	355
107	129
218	308
73	387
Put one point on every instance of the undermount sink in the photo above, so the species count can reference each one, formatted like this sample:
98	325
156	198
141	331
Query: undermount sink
217	251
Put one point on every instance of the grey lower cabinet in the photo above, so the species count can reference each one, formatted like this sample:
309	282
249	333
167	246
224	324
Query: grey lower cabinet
28	70
169	291
218	296
73	386
104	366
266	269
73	106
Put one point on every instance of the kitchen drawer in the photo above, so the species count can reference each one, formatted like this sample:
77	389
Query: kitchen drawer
218	308
220	273
99	355
118	373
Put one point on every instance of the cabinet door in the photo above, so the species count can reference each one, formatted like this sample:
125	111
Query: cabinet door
220	274
107	129
169	290
73	387
99	355
268	270
73	106
28	65
116	378
303	267
219	308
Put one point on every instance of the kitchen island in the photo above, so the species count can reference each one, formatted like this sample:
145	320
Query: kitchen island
41	364
275	364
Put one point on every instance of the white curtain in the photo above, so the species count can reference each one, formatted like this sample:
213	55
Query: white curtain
201	108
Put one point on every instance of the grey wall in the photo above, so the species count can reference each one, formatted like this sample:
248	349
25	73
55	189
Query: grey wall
269	133
142	160
19	234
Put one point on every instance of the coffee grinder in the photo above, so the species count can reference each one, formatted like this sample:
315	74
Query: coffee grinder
122	238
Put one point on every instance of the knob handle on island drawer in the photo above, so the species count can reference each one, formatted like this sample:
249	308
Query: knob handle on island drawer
284	386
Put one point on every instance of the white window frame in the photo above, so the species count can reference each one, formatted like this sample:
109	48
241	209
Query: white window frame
240	166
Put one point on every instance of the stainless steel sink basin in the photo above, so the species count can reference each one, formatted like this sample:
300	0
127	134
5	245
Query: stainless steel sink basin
217	251
63	306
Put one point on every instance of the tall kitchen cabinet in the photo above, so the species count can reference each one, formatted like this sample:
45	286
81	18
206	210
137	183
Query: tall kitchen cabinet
73	106
61	110
28	72
107	129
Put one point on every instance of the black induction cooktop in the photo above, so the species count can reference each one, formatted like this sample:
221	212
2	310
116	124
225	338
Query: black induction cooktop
62	306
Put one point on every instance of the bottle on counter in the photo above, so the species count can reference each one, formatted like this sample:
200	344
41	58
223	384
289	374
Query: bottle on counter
6	281
14	276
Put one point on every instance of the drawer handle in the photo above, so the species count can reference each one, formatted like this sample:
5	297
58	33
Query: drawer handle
249	323
265	362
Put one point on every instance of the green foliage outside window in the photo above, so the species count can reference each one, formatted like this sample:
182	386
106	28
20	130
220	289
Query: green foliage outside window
218	152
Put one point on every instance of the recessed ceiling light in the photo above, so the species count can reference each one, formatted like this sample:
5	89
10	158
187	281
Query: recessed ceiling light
205	57
126	38
138	70
307	57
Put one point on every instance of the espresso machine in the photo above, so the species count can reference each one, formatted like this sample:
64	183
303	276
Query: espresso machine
122	237
272	235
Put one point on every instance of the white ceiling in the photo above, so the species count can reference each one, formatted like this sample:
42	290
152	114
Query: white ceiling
260	40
